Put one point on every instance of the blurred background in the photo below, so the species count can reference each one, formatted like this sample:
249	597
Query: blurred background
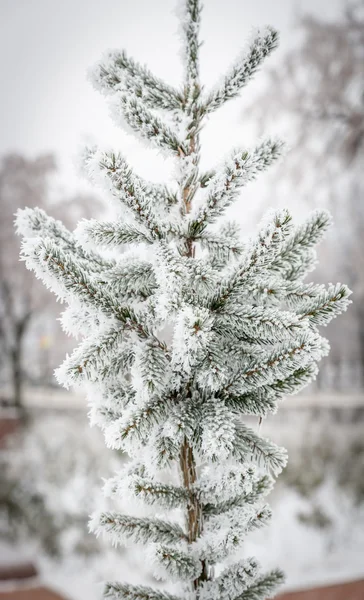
310	93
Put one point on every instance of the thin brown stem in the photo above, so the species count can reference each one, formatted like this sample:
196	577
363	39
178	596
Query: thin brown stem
194	516
194	509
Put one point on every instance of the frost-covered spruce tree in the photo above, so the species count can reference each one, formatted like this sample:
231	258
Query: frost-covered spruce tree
186	329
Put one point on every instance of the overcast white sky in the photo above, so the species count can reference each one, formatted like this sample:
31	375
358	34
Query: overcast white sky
46	46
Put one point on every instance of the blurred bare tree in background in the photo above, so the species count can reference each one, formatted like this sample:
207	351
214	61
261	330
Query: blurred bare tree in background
51	466
27	311
316	96
23	183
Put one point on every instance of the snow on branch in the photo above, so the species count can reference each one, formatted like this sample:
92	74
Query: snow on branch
283	361
221	483
244	69
264	400
131	279
232	582
117	71
261	252
260	403
190	19
261	487
174	564
221	247
111	172
264	586
137	423
120	528
35	223
64	276
156	492
327	305
124	591
297	256
130	110
109	233
158	195
218	430
257	322
224	187
87	360
264	451
225	533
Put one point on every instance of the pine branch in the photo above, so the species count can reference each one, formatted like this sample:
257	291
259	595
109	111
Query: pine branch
260	488
166	449
224	536
264	399
34	222
116	71
176	564
257	323
295	382
218	430
119	363
165	495
140	530
223	482
114	172
79	321
282	362
296	293
191	26
221	248
154	366
140	420
296	257
243	70
185	419
266	452
327	305
110	404
124	591
260	403
58	270
143	122
63	274
108	233
131	280
232	582
87	360
264	587
224	187
206	178
192	337
260	254
160	195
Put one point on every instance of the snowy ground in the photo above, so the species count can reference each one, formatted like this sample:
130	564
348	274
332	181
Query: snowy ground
317	533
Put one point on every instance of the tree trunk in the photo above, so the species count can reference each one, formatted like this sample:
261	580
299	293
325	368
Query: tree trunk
194	516
16	376
16	363
361	344
194	510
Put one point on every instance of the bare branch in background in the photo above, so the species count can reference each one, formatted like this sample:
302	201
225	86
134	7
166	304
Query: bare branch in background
316	93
